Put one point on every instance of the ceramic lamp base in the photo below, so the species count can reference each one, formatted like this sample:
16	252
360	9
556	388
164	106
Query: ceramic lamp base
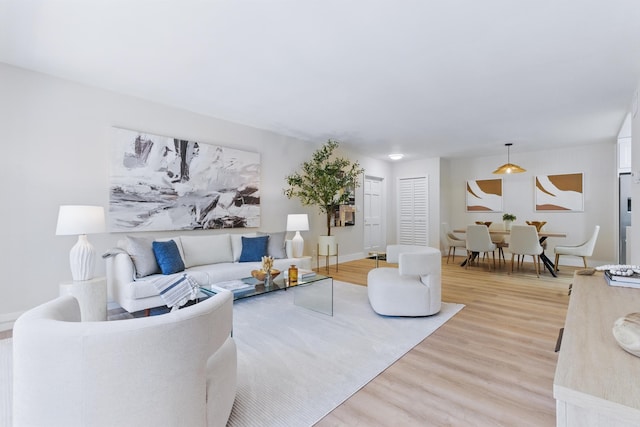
297	245
82	259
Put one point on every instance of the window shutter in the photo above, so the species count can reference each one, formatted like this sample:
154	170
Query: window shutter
414	211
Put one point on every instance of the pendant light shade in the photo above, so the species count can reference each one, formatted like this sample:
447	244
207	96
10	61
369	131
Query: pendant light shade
509	167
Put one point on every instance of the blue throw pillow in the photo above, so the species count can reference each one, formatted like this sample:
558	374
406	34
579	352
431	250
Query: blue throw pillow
168	257
253	248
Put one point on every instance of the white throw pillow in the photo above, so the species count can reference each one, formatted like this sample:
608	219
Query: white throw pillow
203	250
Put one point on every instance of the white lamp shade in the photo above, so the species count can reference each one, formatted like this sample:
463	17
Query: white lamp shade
77	219
297	222
81	220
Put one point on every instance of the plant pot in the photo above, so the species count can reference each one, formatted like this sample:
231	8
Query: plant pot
507	225
327	245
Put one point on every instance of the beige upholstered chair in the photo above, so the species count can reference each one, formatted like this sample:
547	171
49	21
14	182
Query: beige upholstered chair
452	241
583	250
175	369
412	289
479	242
525	241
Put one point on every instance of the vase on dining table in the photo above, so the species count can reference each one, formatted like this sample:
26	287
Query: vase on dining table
507	225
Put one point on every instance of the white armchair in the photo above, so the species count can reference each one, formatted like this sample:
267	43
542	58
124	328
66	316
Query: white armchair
176	369
412	289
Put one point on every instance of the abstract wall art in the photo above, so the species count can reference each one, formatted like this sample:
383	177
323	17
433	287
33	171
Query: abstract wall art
165	183
484	195
560	193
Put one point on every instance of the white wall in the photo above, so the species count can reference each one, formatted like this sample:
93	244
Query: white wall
56	137
596	161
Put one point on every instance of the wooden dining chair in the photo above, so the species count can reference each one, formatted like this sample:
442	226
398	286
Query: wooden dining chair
479	242
452	241
525	241
583	250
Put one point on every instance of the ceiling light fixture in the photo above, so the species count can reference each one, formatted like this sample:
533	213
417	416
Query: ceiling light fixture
396	156
509	167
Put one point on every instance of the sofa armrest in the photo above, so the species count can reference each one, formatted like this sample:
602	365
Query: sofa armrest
120	271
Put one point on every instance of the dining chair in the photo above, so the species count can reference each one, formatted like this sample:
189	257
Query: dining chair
583	250
452	241
525	241
479	241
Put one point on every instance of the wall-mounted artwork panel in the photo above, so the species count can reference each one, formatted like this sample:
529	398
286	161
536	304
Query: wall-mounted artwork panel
484	195
560	193
165	183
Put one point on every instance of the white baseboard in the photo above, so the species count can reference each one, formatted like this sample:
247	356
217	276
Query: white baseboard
8	319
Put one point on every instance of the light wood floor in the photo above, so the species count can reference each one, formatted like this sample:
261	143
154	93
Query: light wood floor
491	365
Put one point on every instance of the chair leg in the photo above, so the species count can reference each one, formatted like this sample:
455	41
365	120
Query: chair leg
449	254
466	264
512	256
555	265
584	260
536	261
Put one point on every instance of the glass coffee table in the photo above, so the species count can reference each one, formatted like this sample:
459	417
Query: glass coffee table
314	293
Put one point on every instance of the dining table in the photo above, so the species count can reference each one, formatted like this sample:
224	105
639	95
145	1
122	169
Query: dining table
542	235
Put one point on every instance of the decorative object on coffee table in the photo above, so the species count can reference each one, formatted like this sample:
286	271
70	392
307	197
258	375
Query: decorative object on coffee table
626	331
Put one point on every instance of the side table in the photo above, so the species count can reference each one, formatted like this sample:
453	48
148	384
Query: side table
92	296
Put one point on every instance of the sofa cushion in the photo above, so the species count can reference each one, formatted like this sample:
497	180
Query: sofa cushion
254	248
236	244
141	252
275	247
210	249
168	257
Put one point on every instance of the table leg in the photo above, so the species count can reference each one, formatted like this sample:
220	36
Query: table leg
546	261
473	257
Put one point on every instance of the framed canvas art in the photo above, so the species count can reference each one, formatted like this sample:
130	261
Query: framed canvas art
164	183
559	193
484	195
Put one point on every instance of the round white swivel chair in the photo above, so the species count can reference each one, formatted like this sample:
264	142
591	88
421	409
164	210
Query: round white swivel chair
412	289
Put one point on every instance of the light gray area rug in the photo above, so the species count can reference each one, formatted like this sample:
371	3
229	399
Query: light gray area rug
295	365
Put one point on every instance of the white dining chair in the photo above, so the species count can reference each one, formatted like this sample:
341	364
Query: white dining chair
525	241
583	250
479	242
452	241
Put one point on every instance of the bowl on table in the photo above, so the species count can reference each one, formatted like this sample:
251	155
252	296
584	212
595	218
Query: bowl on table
537	224
487	223
261	274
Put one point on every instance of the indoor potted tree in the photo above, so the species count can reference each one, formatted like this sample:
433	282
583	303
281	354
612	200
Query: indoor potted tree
323	182
508	220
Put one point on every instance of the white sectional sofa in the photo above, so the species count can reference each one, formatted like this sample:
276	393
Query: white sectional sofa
132	267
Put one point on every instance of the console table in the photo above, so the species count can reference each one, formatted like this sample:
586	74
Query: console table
596	381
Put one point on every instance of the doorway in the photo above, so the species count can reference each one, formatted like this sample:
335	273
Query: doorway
624	212
373	215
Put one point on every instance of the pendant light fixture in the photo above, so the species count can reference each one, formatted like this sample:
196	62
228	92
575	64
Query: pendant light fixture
509	167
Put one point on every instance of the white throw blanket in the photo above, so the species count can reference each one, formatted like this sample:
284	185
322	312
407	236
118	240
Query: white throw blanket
176	290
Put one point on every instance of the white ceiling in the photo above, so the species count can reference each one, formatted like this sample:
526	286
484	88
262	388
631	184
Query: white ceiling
425	77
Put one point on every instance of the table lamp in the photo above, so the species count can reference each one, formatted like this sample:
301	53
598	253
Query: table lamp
297	223
81	220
